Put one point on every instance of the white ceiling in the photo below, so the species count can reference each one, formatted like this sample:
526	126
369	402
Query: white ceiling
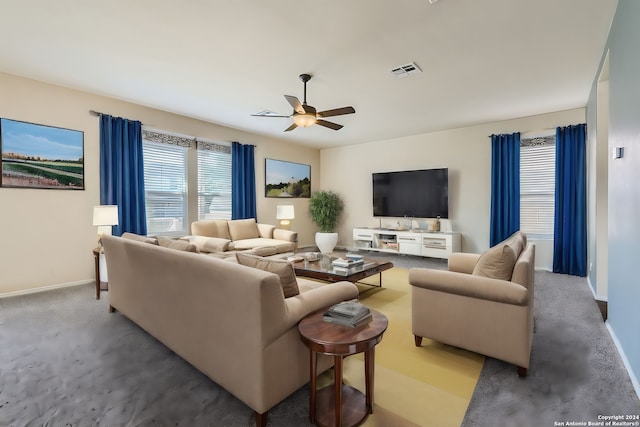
223	60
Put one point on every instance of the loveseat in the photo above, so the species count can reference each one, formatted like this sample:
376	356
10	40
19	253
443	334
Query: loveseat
226	237
483	303
230	321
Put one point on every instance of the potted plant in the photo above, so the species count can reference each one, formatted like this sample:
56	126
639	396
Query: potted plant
325	208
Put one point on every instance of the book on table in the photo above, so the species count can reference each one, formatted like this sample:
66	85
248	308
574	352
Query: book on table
349	313
346	262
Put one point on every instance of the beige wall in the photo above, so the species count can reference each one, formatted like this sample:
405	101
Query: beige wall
46	236
467	154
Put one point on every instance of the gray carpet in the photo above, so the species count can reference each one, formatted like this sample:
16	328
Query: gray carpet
576	373
65	361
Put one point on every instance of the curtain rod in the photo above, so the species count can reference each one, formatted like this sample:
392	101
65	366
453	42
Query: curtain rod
553	130
98	113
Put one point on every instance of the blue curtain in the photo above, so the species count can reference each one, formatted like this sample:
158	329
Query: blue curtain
505	187
122	172
570	225
243	181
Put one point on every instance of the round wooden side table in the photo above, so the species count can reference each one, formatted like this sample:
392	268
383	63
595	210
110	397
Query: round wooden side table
340	404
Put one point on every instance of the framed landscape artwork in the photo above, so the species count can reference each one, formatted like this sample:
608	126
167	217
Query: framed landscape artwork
39	156
287	179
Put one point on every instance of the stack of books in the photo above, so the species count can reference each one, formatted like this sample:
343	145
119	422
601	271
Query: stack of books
349	313
354	256
346	262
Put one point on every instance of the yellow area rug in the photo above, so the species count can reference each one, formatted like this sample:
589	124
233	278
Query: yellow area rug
414	386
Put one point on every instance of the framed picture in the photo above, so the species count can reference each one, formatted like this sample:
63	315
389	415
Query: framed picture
39	156
287	179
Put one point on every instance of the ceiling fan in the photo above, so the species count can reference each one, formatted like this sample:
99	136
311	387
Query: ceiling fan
305	115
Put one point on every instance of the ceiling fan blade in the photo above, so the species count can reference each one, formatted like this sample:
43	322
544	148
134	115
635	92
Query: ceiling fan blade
268	115
292	127
295	103
337	112
329	125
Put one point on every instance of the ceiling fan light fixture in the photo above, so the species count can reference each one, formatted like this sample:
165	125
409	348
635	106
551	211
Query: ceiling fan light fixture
304	120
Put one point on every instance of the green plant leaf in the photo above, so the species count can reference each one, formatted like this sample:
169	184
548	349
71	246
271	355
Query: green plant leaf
325	208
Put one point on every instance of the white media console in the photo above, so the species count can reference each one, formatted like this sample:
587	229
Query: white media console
422	243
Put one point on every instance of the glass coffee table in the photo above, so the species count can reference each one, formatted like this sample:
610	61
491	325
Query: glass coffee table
323	270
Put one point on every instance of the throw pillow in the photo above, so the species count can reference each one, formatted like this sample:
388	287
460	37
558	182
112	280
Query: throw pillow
139	238
180	245
241	229
496	263
209	244
516	242
284	270
211	228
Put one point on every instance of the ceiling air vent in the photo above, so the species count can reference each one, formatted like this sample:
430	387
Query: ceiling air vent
405	70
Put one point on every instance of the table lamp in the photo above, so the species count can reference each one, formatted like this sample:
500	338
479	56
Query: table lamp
105	217
285	213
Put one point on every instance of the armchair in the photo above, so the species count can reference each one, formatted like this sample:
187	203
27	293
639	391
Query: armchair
483	303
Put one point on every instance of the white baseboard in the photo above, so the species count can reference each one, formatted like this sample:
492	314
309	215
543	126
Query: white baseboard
632	375
595	296
44	288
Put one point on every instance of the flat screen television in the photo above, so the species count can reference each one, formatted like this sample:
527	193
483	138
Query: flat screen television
417	193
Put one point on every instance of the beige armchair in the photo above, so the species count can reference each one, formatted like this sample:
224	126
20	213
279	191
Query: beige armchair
483	303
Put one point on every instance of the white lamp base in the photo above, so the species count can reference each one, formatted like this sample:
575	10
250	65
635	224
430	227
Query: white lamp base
285	224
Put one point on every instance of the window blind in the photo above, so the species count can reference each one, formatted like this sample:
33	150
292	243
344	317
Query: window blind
165	182
214	181
537	186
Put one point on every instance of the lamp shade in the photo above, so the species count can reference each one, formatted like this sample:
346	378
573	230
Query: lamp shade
105	215
285	212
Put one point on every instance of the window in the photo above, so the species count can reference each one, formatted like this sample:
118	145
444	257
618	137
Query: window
214	181
165	187
171	168
537	186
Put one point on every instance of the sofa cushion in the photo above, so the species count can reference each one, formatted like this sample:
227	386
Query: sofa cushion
266	230
279	245
177	244
211	228
241	229
496	263
139	238
265	250
284	270
209	244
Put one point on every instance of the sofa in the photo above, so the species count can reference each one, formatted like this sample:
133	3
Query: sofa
483	303
227	237
228	320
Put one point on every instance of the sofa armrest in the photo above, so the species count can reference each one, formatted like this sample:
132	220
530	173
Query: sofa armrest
462	262
266	230
287	235
300	306
470	286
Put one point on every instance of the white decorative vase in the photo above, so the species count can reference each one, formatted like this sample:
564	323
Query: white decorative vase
326	242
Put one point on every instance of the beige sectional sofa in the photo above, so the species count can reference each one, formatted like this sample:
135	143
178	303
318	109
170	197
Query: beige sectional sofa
483	303
230	321
226	237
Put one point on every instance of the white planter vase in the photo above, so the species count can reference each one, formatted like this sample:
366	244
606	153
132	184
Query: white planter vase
326	242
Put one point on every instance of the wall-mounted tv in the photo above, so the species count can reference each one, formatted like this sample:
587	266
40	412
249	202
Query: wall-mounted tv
417	193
